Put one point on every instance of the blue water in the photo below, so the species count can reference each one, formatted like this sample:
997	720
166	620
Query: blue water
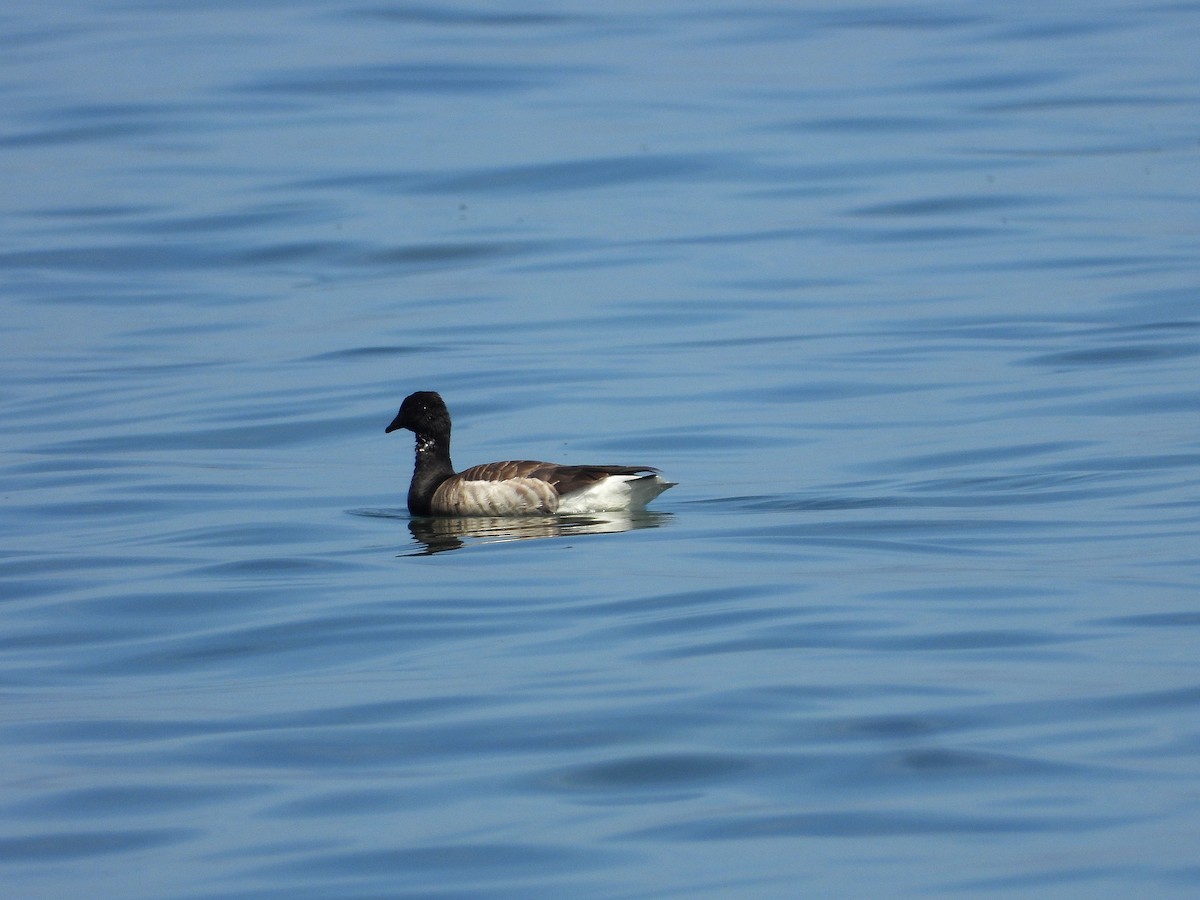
904	296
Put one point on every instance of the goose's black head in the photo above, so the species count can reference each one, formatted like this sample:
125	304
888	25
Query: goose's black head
425	414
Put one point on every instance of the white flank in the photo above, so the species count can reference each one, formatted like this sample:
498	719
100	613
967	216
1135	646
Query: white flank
614	493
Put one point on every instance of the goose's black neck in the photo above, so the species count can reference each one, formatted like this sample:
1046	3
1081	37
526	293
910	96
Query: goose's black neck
425	415
431	468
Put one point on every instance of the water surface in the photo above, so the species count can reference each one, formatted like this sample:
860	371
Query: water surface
903	296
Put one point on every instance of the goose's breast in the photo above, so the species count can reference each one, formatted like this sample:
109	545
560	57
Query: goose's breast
512	497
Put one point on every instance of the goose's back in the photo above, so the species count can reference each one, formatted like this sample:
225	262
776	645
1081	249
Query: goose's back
527	487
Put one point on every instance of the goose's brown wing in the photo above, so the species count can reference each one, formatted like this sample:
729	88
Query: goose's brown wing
564	479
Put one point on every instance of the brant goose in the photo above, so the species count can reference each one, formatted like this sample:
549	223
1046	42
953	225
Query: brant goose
515	488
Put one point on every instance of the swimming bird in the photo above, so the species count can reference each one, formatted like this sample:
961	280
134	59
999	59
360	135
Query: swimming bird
522	487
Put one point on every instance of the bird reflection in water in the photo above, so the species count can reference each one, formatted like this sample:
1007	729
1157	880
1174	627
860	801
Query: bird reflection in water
440	534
